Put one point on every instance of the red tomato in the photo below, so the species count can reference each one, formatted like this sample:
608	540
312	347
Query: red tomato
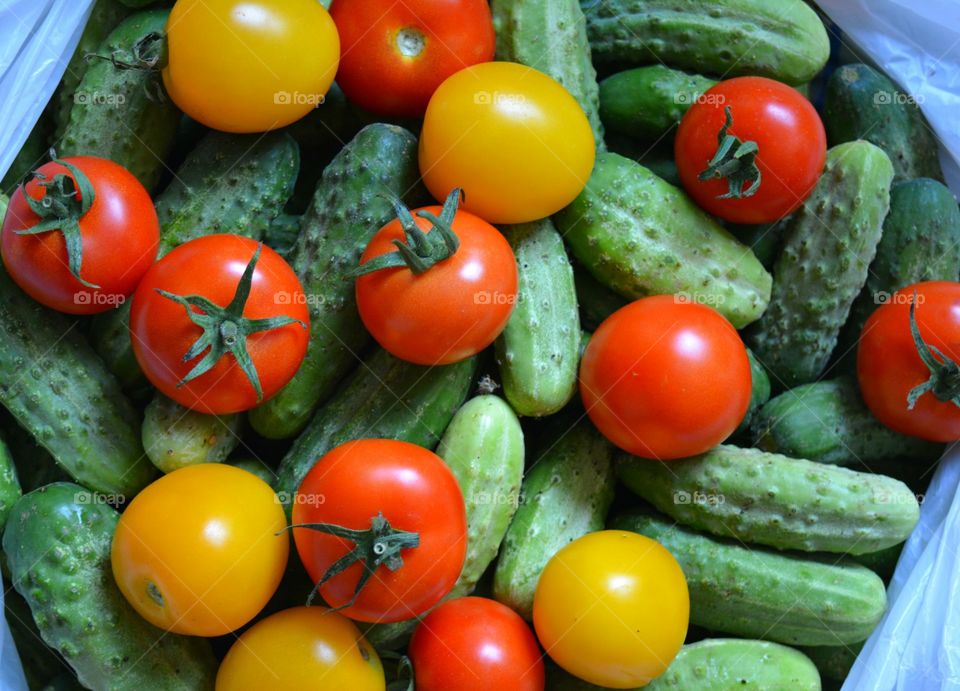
394	55
889	365
415	491
792	147
475	644
119	236
212	267
663	380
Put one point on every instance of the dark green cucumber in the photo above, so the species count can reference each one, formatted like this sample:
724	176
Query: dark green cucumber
862	103
537	351
282	233
784	40
640	236
759	391
596	301
828	422
34	465
9	483
58	547
175	437
764	239
351	203
833	661
41	664
828	246
256	467
754	592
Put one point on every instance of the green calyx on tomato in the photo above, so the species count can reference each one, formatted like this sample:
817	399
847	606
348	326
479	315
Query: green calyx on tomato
734	160
944	381
225	329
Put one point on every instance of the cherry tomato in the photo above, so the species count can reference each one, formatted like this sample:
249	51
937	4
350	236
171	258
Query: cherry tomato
475	644
301	649
394	55
612	608
212	267
201	550
665	379
890	367
792	148
512	138
119	234
361	483
249	65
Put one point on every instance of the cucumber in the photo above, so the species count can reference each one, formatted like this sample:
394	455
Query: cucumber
769	499
122	114
833	661
759	391
351	203
34	465
753	592
764	239
282	234
255	466
58	547
784	40
565	495
828	422
596	301
9	483
538	350
862	103
828	246
647	102
882	563
175	437
34	153
41	664
640	236
551	37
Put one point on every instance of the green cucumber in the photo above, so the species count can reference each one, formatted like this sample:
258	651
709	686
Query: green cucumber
640	236
34	465
351	203
828	422
537	351
175	437
282	234
828	246
256	467
764	239
34	153
759	391
833	661
58	547
565	495
769	499
754	592
883	563
784	40
41	663
9	483
596	301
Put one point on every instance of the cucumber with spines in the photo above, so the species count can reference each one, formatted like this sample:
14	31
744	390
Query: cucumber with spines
175	437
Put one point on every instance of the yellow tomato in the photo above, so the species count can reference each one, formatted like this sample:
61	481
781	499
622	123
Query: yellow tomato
612	608
303	648
197	552
515	140
249	65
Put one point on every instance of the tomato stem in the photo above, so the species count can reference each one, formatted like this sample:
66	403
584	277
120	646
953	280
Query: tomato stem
734	160
944	381
149	54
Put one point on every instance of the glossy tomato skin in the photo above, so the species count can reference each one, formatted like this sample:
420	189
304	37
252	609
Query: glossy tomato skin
665	379
416	492
888	366
162	332
119	233
475	644
788	131
249	65
612	608
201	550
450	312
512	138
394	55
300	649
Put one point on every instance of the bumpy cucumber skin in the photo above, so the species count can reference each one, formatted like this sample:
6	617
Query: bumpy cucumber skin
769	499
138	132
175	437
828	422
754	592
565	495
861	103
783	40
349	206
58	547
640	236
759	391
833	661
828	246
9	483
41	665
552	38
538	350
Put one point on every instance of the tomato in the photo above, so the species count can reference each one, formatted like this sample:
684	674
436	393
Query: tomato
249	65
163	333
612	608
890	366
361	484
119	234
792	148
201	550
394	55
455	308
665	379
301	649
512	138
